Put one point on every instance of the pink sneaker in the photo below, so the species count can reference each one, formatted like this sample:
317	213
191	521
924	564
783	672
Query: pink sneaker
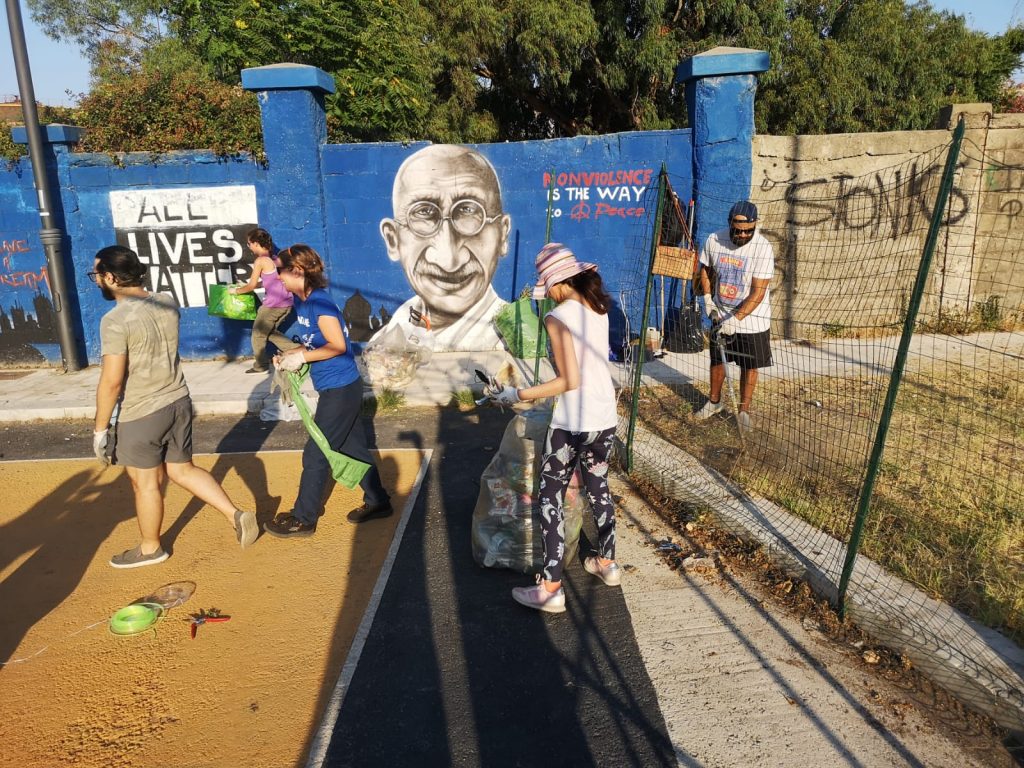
610	574
538	597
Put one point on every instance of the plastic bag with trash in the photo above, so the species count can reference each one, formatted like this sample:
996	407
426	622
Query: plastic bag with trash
393	355
506	530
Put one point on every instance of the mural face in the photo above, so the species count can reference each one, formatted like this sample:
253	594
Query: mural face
449	232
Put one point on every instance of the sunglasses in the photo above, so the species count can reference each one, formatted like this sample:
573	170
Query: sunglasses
737	232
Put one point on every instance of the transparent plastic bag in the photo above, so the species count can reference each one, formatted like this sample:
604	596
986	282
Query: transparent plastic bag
392	357
506	531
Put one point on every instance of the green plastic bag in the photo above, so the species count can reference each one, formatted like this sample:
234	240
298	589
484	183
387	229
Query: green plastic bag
520	329
240	306
344	469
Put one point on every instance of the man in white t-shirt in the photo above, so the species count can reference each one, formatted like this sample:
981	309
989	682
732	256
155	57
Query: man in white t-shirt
737	264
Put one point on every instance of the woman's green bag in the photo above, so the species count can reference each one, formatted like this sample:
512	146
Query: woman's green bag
344	469
519	328
240	306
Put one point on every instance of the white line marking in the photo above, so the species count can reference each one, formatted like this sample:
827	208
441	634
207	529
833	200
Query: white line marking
318	750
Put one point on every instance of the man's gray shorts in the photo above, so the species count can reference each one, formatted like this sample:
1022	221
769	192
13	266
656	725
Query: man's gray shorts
163	436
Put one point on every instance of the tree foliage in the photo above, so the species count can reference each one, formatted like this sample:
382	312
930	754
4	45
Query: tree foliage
491	70
166	102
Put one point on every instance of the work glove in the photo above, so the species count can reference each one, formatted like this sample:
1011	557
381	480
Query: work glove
290	361
729	326
711	309
506	396
99	445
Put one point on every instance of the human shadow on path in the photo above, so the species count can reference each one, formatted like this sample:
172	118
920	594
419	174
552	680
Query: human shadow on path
455	673
62	532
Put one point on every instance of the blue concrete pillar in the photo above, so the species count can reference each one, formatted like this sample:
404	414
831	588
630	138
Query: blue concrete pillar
720	88
291	98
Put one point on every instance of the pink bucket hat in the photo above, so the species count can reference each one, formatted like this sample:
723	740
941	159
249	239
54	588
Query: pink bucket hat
556	263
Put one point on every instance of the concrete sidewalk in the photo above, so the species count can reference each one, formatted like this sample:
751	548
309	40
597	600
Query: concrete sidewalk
221	387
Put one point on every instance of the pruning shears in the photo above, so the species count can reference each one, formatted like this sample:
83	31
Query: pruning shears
490	384
204	617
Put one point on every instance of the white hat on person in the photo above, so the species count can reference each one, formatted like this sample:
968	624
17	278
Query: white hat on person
555	263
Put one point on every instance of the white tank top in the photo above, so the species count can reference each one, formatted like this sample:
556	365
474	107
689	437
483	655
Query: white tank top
591	408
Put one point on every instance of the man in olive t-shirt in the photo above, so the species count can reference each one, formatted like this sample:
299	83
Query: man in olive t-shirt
153	435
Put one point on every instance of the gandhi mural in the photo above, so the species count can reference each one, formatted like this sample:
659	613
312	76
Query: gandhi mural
448	233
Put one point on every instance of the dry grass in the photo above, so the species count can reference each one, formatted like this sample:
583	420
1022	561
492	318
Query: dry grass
947	512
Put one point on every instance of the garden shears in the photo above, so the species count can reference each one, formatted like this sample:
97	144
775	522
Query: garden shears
204	617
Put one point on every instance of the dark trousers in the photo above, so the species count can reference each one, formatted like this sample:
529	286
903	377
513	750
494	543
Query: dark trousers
337	415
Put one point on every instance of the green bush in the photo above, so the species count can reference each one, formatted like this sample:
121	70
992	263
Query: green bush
154	110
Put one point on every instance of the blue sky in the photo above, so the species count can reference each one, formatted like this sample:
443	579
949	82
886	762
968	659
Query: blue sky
60	67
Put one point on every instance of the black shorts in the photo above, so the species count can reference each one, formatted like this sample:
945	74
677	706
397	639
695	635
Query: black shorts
747	350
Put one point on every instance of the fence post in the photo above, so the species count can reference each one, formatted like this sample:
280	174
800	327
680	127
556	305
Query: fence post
896	376
642	341
543	305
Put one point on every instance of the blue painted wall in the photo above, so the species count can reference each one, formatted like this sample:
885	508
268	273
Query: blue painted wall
90	226
27	328
606	188
357	184
334	197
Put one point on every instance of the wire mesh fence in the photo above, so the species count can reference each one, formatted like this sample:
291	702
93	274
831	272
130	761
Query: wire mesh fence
941	523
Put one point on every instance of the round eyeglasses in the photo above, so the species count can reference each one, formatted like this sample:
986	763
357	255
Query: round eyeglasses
93	275
467	217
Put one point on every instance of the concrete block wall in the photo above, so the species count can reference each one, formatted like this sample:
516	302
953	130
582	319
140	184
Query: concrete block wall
844	209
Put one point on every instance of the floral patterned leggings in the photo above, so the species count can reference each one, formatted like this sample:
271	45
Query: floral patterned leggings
562	452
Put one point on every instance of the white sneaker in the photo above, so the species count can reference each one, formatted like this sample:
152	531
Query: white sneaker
610	574
743	419
709	410
538	597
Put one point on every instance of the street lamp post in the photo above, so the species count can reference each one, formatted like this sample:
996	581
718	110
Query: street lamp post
50	235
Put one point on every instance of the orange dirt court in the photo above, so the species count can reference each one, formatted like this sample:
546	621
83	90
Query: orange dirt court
250	691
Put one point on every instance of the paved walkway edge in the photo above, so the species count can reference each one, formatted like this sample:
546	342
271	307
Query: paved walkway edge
322	740
984	669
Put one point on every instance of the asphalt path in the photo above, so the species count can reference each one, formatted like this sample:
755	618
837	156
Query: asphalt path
453	671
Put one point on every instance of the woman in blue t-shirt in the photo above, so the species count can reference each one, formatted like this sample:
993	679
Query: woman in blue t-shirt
335	377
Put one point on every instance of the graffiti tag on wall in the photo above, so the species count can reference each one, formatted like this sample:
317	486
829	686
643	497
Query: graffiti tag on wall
593	195
847	202
191	238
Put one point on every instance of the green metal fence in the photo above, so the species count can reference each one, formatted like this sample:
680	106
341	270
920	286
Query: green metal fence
884	462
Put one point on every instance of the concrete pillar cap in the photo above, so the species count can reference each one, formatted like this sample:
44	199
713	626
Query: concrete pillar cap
55	133
287	77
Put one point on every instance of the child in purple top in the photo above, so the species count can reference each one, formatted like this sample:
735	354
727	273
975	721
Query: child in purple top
277	301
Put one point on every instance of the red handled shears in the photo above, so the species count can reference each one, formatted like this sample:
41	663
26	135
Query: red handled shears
204	617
